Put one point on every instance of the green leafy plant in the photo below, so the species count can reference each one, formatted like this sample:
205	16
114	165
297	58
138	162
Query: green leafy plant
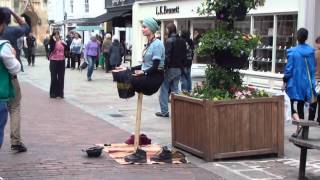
222	81
229	10
238	44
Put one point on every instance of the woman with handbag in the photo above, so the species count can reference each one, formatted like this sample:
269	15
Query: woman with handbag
57	64
299	76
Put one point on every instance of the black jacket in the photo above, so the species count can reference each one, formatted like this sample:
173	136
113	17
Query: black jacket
176	52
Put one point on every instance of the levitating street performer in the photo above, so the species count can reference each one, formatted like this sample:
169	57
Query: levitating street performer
145	79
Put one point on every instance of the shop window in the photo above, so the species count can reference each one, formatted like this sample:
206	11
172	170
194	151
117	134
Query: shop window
286	38
200	27
262	55
243	26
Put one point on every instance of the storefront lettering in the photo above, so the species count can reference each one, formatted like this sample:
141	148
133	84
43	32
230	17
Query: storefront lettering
165	10
119	2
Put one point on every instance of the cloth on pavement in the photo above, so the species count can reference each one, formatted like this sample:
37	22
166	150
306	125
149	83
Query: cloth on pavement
119	151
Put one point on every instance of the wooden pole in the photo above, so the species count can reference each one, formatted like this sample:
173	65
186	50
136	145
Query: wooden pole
138	122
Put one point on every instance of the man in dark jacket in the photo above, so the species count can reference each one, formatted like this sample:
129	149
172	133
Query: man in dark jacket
13	33
69	40
31	48
186	82
175	53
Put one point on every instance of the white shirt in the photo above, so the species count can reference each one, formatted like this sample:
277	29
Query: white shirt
8	58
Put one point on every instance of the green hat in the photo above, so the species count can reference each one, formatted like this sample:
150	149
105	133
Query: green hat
151	24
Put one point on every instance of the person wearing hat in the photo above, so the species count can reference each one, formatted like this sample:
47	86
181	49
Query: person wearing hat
147	77
105	49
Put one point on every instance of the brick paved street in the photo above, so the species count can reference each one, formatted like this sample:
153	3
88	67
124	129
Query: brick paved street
55	133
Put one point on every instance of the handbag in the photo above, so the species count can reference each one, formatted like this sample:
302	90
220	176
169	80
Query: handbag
84	65
317	89
313	97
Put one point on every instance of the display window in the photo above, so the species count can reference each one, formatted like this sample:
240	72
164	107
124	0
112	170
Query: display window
286	38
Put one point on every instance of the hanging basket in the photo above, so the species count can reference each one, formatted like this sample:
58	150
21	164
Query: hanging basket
226	60
222	14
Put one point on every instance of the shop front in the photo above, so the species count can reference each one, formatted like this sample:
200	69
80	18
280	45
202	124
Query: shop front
276	23
119	16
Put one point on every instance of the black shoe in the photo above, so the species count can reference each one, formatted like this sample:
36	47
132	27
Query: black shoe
19	148
164	155
160	114
140	156
178	156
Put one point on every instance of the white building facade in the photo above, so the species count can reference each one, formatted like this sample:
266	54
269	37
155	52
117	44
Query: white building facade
276	23
70	13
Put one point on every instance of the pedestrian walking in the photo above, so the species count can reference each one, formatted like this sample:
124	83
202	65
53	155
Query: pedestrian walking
46	44
313	106
69	40
13	33
116	52
91	54
176	52
186	82
99	41
299	75
31	48
57	65
105	50
76	49
9	66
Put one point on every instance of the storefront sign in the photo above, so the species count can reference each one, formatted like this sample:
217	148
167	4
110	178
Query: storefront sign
165	10
117	3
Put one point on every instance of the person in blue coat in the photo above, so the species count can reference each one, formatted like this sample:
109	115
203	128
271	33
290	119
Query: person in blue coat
299	76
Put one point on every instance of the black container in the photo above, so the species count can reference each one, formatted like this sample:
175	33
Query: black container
94	151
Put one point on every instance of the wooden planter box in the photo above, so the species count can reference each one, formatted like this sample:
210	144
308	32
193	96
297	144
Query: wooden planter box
225	129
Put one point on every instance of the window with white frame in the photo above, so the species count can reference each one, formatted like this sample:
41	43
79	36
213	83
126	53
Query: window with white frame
86	5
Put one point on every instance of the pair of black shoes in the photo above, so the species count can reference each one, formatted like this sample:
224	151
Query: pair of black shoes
19	148
140	156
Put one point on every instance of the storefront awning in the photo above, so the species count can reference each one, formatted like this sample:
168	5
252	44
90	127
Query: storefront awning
110	15
88	28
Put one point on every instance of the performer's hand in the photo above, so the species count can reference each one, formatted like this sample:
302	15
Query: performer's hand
138	72
120	68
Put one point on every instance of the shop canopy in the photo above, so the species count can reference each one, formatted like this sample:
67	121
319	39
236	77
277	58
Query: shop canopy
88	28
110	15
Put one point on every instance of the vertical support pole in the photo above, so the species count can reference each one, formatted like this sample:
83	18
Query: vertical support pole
303	154
138	122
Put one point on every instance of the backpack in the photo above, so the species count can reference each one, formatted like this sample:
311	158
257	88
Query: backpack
6	88
189	53
30	42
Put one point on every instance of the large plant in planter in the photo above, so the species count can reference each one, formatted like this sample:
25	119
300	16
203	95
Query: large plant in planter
229	49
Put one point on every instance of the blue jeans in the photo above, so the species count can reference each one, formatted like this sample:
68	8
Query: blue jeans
171	81
186	83
91	60
3	119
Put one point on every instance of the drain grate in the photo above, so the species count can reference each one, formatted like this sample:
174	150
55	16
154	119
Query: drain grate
116	115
